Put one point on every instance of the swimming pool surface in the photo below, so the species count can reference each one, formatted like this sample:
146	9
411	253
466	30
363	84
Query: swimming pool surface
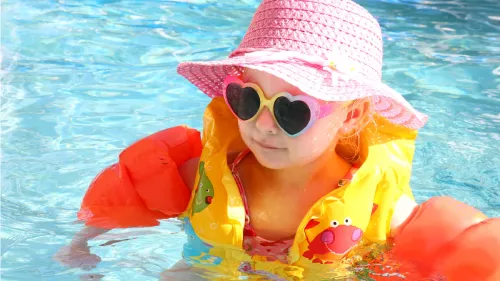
84	79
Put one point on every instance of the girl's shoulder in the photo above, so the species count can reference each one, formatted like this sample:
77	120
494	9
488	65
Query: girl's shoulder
188	171
189	168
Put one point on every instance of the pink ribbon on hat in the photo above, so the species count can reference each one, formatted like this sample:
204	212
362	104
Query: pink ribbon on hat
335	62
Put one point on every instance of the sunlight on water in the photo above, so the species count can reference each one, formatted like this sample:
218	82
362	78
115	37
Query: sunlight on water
81	80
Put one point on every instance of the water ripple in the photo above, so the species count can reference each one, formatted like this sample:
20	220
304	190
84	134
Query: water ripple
81	80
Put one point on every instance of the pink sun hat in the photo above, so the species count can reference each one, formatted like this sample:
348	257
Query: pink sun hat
330	49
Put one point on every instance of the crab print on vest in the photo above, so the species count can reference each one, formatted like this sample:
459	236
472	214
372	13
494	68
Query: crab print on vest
335	241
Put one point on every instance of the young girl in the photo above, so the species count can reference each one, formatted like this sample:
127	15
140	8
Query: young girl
304	163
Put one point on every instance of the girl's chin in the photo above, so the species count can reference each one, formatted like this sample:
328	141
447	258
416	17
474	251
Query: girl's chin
272	159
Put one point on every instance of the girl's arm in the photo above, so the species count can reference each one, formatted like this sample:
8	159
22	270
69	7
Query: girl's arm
446	237
151	181
146	184
77	253
87	233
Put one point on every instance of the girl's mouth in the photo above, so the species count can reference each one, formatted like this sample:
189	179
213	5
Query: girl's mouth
266	146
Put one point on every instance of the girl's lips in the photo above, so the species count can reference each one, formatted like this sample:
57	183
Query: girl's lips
266	146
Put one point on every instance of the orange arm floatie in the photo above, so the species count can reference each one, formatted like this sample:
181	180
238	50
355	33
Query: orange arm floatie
451	239
145	184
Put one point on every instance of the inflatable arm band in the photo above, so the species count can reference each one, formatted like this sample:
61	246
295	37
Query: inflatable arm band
145	184
449	238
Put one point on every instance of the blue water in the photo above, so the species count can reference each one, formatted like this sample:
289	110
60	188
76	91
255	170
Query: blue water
84	79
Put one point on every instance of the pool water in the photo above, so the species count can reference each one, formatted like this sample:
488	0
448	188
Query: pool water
83	79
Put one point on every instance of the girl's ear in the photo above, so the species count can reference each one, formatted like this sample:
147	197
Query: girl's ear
356	113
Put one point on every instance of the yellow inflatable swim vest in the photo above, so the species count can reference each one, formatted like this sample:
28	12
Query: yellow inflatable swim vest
360	211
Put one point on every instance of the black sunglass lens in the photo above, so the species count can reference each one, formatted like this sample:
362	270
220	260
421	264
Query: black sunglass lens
244	102
293	117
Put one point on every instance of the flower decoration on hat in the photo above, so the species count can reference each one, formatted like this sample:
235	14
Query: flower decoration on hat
336	61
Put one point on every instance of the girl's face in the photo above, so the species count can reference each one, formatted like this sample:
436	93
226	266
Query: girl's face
272	147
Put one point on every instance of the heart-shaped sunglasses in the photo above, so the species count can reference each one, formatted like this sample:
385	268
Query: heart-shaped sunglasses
294	114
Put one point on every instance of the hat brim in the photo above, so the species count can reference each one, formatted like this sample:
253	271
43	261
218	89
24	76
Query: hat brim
208	76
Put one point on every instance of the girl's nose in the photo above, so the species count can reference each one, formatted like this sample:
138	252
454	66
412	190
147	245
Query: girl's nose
265	123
